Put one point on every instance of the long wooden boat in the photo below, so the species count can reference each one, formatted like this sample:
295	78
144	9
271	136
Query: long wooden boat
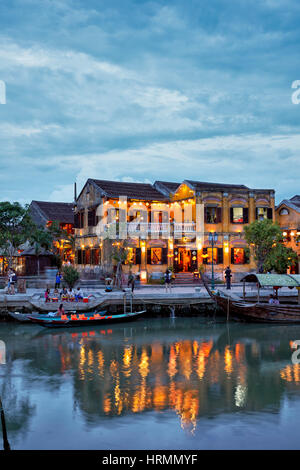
83	319
259	312
23	317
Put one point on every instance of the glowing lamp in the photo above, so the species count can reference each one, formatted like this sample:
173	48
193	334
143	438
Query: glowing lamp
143	275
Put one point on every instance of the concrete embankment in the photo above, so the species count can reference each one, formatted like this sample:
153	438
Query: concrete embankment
153	299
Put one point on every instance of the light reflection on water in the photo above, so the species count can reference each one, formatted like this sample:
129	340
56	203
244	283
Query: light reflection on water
168	375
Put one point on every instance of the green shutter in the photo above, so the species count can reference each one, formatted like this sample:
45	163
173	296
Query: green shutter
148	255
164	256
220	256
137	256
204	252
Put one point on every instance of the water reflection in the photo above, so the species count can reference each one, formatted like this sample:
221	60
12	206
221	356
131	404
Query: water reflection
184	366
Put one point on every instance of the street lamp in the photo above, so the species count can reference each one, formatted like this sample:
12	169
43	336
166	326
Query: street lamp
213	238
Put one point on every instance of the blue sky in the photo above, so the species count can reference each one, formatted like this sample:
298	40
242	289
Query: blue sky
139	90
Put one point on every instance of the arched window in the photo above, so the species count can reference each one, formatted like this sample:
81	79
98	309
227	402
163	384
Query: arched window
283	211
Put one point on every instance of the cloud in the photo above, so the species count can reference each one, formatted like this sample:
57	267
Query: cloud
169	91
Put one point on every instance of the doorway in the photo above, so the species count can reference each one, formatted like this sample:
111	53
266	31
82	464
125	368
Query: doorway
183	260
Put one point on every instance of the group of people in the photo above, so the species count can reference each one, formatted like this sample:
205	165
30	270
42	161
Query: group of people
64	295
11	281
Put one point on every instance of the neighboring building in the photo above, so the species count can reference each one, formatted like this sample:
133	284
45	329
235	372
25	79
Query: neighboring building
44	213
288	217
169	234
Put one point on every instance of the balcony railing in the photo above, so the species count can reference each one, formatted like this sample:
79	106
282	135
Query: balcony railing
150	228
187	227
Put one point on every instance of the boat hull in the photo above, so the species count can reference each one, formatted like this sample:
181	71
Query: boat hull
255	312
88	321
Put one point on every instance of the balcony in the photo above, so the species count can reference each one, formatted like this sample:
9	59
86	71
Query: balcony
145	229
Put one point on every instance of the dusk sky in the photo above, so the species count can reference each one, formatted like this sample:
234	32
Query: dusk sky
136	90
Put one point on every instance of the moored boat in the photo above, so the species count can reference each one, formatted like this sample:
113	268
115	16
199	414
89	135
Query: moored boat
23	317
259	312
83	319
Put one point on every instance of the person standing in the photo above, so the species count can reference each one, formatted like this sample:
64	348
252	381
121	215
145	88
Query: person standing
168	279
57	280
13	280
8	282
228	277
131	281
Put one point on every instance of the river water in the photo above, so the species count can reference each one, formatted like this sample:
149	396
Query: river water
163	383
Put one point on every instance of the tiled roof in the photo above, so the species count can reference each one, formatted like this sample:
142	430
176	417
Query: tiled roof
296	200
59	211
141	191
168	185
201	185
291	203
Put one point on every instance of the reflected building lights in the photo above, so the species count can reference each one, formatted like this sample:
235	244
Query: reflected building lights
240	396
291	373
101	363
228	361
180	376
127	357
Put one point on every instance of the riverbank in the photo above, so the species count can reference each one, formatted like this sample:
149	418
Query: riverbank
149	297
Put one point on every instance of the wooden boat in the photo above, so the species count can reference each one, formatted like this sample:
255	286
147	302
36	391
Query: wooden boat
75	319
259	312
23	317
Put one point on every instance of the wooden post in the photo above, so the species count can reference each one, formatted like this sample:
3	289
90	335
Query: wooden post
244	292
228	308
6	445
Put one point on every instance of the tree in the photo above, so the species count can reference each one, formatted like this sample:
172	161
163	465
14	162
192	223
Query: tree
119	256
41	240
15	227
71	275
265	240
280	258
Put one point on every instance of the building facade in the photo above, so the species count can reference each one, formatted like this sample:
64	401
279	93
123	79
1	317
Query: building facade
168	224
288	217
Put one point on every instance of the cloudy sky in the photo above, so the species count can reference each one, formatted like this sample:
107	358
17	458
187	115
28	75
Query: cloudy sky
139	90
